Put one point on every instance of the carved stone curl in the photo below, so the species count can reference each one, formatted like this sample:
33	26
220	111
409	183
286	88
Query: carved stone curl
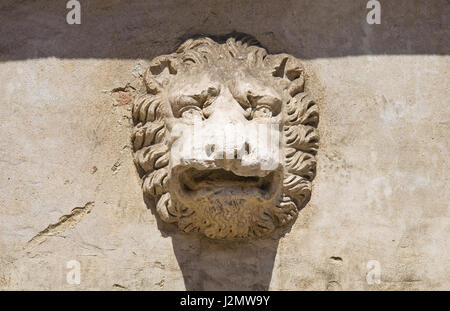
225	138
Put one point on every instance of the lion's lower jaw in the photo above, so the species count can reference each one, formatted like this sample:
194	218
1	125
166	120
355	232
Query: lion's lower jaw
234	219
228	221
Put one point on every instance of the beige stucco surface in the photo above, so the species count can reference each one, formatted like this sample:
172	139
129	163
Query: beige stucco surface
382	186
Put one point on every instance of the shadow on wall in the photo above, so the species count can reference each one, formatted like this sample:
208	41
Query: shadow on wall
144	29
208	264
216	265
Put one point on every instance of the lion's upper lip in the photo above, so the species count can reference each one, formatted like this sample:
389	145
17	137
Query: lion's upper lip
195	179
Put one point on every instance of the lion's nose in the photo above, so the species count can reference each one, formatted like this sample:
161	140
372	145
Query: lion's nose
224	110
246	149
233	156
242	148
234	152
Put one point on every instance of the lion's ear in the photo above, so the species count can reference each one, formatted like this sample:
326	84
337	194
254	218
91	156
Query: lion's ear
291	70
158	73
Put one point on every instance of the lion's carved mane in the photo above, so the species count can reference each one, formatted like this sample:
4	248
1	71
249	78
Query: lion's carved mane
300	138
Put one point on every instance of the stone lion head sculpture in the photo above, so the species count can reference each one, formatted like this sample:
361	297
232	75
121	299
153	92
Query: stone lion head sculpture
225	138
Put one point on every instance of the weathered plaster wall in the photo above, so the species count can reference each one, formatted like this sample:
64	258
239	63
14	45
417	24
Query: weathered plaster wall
381	190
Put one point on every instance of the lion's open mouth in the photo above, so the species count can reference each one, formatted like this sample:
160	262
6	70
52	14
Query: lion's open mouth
194	179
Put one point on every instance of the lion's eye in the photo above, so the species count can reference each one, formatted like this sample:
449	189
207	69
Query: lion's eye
262	112
187	100
193	113
213	91
185	103
264	106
